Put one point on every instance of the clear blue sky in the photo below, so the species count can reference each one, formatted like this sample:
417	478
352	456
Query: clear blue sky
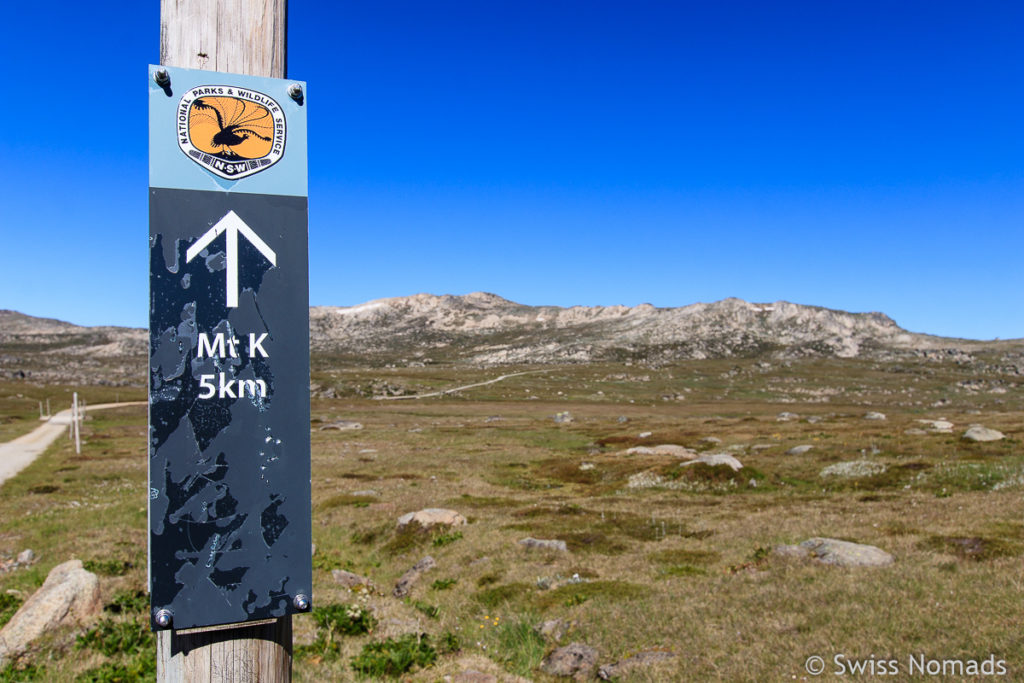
863	156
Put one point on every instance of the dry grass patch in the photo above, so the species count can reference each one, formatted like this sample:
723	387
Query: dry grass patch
646	568
590	531
976	548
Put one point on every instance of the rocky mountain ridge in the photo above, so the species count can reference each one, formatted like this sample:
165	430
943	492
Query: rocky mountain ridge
486	330
53	351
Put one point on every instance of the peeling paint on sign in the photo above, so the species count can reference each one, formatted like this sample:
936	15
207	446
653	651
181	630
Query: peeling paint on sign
230	528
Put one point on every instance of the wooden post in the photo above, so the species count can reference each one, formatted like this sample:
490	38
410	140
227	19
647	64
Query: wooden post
242	653
75	423
245	37
236	36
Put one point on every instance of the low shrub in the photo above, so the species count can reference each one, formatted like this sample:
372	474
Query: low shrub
394	656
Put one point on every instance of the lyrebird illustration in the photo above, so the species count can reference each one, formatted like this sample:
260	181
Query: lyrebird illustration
243	118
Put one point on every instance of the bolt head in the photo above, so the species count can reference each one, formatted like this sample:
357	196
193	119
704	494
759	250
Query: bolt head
163	618
295	91
161	77
301	602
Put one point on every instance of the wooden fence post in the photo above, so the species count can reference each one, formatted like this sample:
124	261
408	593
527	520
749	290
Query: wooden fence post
75	422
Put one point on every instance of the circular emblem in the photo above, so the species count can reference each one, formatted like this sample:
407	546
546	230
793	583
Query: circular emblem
230	131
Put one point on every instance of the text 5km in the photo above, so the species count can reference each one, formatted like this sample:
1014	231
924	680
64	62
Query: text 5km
226	387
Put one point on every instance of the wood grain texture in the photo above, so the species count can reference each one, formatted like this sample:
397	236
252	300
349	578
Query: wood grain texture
260	653
236	36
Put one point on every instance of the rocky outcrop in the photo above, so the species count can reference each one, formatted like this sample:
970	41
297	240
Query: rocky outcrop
837	553
979	434
715	459
430	517
70	354
544	544
411	577
69	596
489	330
485	330
940	426
575	660
663	449
351	581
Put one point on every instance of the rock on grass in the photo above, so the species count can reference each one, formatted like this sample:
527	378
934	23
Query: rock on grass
940	426
342	426
714	459
350	580
409	579
430	517
663	449
576	660
543	544
70	595
979	433
838	553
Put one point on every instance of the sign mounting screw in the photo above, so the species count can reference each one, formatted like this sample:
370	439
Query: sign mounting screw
163	618
301	602
161	77
295	92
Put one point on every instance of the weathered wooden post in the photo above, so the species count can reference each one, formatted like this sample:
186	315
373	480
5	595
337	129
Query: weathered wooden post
230	529
76	422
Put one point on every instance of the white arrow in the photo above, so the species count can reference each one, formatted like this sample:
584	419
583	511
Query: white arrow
232	225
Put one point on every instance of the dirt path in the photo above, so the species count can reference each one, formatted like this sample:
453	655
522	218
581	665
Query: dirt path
16	455
453	390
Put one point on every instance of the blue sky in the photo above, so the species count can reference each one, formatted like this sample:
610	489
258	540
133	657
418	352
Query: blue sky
860	156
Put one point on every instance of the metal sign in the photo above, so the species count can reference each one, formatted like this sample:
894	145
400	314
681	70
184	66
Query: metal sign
229	470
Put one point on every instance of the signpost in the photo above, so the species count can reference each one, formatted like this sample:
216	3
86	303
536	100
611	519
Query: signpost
230	534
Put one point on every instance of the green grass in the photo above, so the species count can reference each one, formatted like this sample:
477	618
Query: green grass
344	619
394	656
117	637
108	567
615	592
442	539
20	673
516	644
976	548
649	566
9	604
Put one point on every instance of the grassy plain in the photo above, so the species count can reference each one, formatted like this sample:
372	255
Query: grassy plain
681	563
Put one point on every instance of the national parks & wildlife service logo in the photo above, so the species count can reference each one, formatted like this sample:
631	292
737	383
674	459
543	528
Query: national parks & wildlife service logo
230	131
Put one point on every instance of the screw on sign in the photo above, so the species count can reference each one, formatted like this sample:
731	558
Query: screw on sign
229	350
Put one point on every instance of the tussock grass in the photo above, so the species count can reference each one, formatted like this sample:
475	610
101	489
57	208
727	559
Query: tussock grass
687	569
